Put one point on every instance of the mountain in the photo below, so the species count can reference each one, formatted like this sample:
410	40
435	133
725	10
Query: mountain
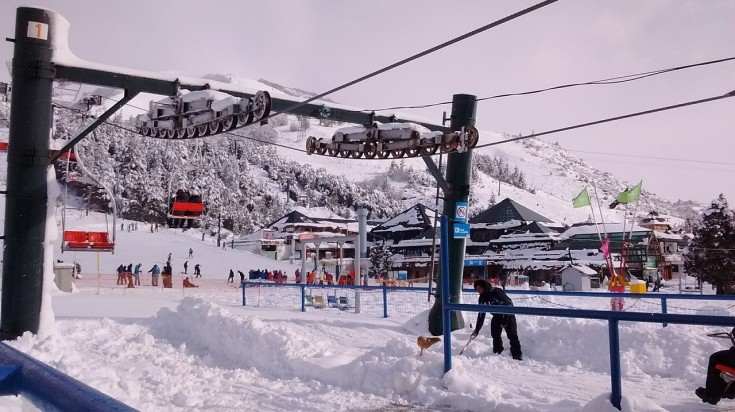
249	183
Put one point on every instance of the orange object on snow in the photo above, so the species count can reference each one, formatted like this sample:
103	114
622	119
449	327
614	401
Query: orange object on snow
188	284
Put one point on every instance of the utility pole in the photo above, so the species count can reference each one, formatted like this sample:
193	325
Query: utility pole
219	228
28	162
458	191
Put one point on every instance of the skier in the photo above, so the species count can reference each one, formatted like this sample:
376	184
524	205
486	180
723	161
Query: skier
186	266
242	276
231	278
136	273
191	253
490	295
155	271
197	271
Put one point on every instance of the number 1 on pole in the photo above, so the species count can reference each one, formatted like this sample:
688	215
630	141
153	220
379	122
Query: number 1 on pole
37	30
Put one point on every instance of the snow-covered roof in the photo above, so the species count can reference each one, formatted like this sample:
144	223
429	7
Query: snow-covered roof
588	229
418	216
507	210
582	269
668	236
525	237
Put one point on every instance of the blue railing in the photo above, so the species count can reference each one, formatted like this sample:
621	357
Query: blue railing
47	388
356	288
613	318
663	297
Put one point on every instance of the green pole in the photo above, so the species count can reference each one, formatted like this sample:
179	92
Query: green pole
458	190
28	161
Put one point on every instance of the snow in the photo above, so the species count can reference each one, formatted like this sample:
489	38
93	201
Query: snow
608	227
199	349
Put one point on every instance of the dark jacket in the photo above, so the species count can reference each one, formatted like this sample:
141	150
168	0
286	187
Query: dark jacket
491	296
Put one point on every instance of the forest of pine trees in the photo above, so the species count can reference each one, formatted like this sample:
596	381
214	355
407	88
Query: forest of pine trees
243	181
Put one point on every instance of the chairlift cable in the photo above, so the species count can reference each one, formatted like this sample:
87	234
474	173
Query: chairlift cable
610	119
612	80
415	56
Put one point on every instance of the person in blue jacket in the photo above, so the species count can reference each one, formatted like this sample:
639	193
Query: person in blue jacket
155	272
136	273
490	295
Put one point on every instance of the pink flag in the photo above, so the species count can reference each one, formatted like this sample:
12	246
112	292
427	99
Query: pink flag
605	247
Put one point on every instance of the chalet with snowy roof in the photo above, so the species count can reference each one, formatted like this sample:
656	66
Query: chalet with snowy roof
665	253
515	224
409	224
282	239
410	235
543	266
659	222
586	236
534	236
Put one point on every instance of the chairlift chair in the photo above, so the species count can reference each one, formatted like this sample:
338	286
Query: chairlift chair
185	206
79	240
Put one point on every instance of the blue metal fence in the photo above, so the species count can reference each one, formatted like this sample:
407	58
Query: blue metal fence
613	318
355	288
47	388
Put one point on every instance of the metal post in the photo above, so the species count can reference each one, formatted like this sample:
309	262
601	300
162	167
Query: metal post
615	375
303	298
458	182
433	239
28	154
446	314
385	301
664	310
242	285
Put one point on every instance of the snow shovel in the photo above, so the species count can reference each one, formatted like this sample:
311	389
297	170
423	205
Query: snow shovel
468	343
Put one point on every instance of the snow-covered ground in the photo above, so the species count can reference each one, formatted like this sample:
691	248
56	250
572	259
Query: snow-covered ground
200	349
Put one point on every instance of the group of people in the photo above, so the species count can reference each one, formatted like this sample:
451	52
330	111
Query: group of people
156	272
131	227
126	275
273	275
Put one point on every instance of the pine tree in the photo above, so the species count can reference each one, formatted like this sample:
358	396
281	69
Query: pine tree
711	254
380	259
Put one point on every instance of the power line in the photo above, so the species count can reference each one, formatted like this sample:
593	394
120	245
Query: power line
730	94
416	56
266	142
612	80
611	119
406	60
673	159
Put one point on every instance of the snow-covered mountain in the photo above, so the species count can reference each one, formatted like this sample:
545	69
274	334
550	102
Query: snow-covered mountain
252	184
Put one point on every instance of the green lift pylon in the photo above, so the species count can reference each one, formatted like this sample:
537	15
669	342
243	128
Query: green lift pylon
28	159
456	190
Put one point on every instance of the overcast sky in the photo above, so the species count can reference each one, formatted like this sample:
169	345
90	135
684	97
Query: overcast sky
317	45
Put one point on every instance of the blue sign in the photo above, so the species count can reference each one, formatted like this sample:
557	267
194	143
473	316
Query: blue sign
461	230
460	212
474	262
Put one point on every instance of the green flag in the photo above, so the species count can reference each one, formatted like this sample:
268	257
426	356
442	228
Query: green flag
630	195
582	199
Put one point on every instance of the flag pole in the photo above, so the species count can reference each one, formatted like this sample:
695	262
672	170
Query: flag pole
602	218
632	223
594	219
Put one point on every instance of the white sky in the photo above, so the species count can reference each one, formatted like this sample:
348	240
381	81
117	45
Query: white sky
319	45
